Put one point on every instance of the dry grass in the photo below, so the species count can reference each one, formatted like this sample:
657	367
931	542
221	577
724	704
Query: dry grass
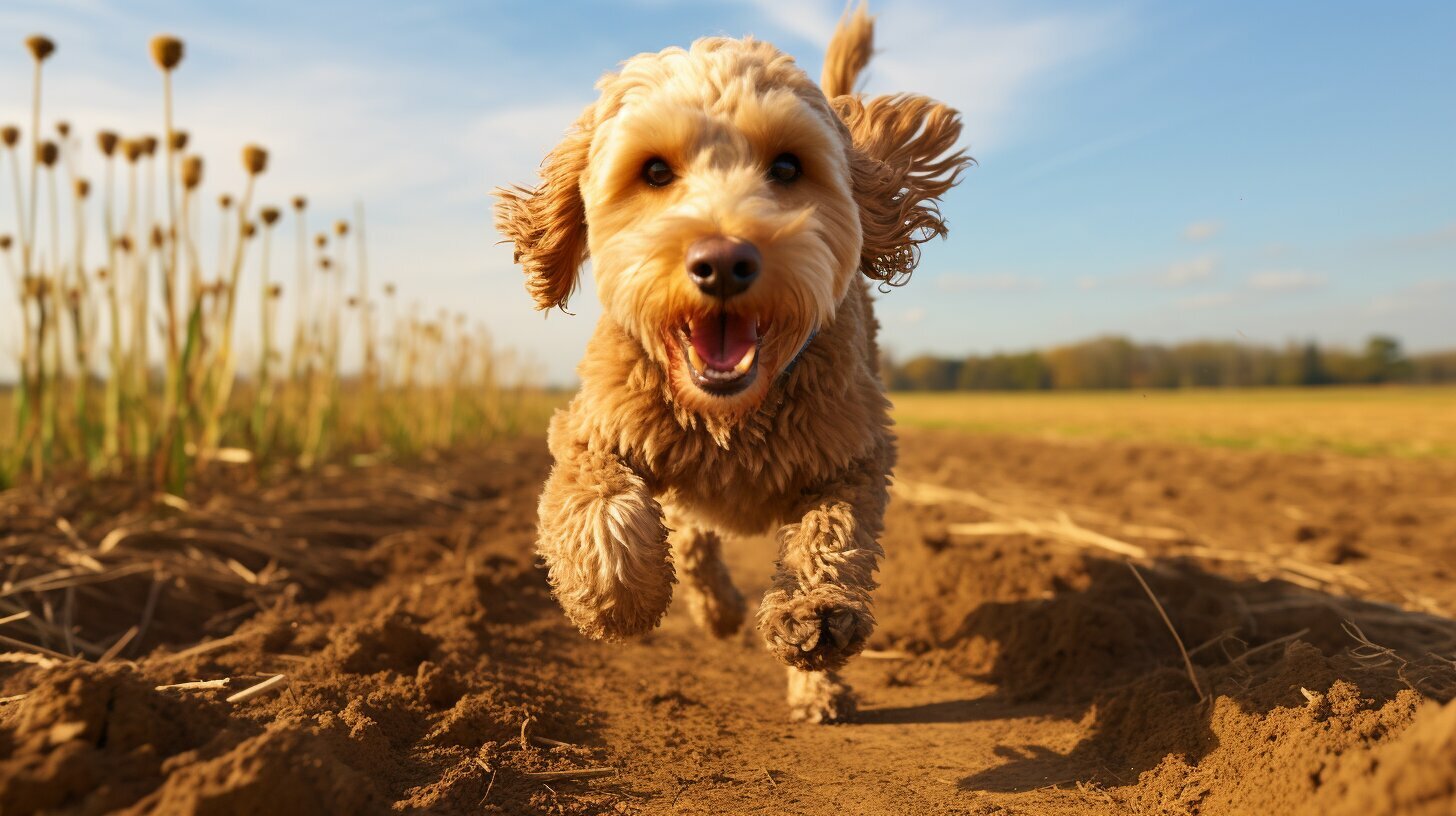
130	355
1385	421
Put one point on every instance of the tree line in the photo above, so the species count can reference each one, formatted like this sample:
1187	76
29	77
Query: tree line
1117	362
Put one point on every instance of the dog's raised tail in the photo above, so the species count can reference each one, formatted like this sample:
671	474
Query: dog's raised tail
849	51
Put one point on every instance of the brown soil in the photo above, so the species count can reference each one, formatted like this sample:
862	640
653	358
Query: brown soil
1013	672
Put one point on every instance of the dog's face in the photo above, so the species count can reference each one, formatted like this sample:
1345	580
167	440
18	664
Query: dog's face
722	200
723	228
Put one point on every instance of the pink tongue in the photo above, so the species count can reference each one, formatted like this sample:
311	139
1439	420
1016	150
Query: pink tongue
723	339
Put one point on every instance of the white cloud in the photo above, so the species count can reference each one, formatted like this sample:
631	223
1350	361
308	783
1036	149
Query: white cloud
1182	273
1285	280
1001	282
1174	275
1440	237
913	315
1202	230
984	59
1207	300
1423	296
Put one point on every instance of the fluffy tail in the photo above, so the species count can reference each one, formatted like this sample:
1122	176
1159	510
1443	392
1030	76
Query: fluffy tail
849	52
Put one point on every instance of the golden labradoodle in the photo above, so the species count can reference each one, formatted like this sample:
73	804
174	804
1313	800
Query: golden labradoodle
734	213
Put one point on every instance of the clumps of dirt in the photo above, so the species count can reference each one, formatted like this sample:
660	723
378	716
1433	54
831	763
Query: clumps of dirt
1412	773
392	641
131	570
1274	761
95	738
433	673
1307	694
430	690
288	769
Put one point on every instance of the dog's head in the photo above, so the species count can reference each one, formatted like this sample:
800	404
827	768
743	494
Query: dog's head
727	204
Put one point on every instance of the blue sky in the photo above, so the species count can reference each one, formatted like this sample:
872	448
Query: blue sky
1267	171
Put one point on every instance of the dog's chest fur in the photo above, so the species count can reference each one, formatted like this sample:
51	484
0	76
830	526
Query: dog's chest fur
825	416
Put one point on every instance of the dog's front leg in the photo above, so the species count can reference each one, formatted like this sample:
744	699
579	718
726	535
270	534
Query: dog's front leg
605	545
817	614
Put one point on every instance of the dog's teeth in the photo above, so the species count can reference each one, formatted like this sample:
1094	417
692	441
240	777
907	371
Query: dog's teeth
747	361
696	360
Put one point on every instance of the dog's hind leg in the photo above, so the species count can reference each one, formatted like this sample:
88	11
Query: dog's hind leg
707	588
602	536
819	696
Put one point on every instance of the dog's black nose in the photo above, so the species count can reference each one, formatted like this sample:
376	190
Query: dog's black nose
722	266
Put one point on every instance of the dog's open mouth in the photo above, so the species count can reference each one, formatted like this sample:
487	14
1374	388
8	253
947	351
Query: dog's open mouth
721	351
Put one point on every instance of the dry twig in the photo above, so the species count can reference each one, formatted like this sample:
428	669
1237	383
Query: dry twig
272	684
1187	661
581	773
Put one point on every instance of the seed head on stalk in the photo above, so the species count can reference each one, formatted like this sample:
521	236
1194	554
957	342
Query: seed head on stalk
255	159
149	146
299	202
167	54
107	140
167	51
47	153
5	241
269	215
321	240
250	229
132	149
341	228
83	188
225	201
10	135
64	128
40	46
192	172
275	291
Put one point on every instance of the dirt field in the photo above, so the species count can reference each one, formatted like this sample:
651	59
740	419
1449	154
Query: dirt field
1019	665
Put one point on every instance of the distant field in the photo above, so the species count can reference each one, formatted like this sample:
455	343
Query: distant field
1406	422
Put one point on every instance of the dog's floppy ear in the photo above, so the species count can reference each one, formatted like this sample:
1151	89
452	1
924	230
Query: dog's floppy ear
547	224
902	160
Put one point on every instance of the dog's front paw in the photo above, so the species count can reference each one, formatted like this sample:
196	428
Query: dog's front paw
814	628
605	547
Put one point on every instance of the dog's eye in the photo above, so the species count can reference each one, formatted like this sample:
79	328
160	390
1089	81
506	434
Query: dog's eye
657	173
785	168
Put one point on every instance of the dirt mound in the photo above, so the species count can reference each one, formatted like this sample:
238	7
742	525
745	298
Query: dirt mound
1020	665
415	691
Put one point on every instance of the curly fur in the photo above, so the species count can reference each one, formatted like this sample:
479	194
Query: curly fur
806	450
712	600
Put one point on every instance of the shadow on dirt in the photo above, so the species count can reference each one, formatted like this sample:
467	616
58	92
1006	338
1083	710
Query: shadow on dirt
1098	645
1067	634
953	711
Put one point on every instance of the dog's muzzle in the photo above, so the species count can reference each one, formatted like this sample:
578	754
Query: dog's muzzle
721	351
